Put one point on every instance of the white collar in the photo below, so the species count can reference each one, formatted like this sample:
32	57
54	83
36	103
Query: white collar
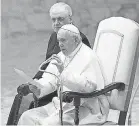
75	51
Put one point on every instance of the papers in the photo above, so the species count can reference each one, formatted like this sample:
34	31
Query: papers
27	78
30	80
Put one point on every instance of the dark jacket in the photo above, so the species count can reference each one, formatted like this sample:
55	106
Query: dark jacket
53	48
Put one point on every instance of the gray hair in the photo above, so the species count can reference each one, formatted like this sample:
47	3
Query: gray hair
63	5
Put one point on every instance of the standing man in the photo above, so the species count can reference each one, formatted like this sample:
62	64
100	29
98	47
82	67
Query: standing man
60	14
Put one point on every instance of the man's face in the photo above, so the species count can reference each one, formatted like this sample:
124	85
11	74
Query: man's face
59	19
66	42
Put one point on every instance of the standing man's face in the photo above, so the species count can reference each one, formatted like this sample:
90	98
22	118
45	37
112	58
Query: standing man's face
67	43
59	19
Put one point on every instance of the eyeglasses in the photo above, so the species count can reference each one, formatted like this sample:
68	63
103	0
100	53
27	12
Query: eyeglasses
59	19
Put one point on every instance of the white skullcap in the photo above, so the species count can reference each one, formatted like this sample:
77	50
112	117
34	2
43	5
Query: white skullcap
70	28
61	8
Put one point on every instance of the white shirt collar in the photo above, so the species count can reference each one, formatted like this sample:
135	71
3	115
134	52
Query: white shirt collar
75	51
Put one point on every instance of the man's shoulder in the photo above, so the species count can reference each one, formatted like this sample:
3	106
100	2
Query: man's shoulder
88	51
53	38
84	39
53	34
82	35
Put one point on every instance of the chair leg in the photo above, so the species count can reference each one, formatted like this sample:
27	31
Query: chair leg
122	118
76	104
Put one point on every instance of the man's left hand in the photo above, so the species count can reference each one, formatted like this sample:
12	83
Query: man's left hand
59	63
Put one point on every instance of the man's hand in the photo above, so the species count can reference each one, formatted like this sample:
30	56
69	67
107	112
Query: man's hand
23	89
34	89
59	63
27	88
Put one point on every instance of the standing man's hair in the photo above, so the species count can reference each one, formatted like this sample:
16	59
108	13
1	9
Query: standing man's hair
61	5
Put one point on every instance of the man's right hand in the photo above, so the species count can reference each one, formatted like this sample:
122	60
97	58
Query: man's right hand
59	64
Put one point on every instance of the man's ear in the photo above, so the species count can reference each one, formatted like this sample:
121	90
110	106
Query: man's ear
76	40
70	18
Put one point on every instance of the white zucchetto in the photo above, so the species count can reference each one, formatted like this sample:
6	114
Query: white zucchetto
71	28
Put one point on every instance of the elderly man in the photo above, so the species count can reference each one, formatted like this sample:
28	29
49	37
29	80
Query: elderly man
60	14
78	70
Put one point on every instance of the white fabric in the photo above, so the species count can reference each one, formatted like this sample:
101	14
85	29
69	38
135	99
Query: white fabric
115	45
69	57
78	67
81	70
77	73
113	115
75	51
71	28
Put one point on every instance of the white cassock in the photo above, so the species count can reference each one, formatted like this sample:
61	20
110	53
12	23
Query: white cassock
81	68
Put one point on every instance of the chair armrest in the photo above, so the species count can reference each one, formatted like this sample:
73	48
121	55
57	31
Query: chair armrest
69	95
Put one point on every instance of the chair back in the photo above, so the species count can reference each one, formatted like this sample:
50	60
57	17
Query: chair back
117	47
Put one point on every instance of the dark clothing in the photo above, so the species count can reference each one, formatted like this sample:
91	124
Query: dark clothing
53	48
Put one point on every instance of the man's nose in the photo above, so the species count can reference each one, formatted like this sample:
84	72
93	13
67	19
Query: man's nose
60	44
56	21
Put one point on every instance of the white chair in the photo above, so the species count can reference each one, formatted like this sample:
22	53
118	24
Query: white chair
117	47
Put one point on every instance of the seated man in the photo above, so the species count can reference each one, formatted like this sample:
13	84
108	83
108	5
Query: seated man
60	14
78	69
